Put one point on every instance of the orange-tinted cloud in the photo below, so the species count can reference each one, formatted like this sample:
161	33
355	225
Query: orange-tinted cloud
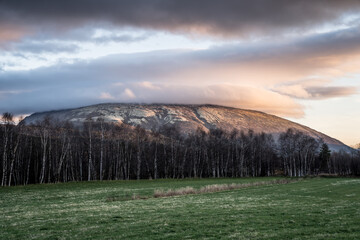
11	33
245	97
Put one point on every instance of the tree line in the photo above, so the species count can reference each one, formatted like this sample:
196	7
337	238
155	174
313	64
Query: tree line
52	151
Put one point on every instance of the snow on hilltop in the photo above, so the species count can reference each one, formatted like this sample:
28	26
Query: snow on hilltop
187	117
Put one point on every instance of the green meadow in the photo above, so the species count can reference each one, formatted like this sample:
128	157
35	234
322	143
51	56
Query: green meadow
311	208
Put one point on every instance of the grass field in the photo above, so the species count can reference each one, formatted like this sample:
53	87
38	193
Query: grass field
316	208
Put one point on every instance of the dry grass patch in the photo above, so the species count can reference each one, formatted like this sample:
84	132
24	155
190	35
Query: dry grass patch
158	193
175	192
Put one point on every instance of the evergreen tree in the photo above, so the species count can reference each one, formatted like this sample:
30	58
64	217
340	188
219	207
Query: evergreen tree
324	157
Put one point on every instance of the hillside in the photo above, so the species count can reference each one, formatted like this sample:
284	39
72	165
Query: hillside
187	118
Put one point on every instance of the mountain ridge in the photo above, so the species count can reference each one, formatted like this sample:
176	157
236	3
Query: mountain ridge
188	117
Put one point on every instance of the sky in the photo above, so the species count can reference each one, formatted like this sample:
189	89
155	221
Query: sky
295	59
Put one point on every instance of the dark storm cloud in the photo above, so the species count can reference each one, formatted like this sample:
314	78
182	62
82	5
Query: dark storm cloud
219	17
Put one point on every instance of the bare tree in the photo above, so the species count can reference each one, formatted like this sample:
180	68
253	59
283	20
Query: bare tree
7	119
100	122
44	132
13	151
64	136
140	137
89	130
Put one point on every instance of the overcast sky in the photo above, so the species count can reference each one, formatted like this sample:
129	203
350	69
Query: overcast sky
296	59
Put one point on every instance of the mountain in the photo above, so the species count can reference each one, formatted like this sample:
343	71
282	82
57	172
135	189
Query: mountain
188	118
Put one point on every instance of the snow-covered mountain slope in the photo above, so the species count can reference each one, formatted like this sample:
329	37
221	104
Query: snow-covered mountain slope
187	117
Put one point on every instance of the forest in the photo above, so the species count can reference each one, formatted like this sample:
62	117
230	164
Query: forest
53	151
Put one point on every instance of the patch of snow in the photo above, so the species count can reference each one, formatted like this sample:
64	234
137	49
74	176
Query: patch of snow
77	120
141	113
116	118
135	121
208	115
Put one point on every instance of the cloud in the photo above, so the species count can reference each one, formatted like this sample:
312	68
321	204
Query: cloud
296	91
128	94
316	92
11	33
331	92
43	47
70	86
225	18
245	97
106	96
118	38
148	85
263	76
